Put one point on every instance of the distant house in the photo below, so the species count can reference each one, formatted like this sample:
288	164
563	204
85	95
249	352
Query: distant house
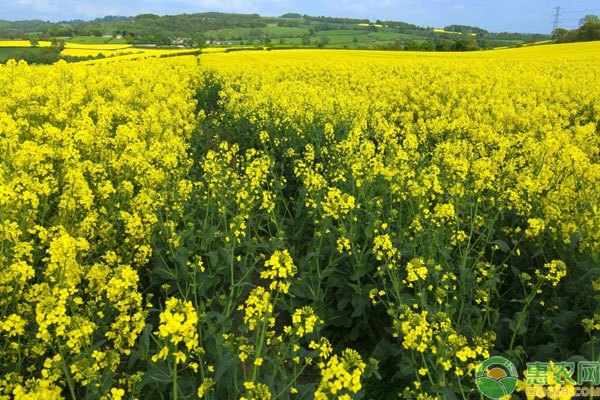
119	36
181	40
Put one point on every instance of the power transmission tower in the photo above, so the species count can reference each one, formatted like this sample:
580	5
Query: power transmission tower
556	19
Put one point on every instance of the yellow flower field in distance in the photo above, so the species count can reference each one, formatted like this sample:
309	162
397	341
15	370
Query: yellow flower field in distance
132	53
94	52
296	224
214	49
457	33
23	43
225	49
96	46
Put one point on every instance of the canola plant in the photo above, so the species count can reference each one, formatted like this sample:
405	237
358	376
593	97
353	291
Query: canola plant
297	223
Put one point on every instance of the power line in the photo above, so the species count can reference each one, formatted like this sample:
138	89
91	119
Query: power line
556	19
579	11
572	17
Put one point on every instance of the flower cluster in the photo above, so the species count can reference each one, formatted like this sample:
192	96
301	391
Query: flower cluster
278	269
178	323
340	375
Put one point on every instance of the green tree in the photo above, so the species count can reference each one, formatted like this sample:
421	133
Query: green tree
291	15
198	40
589	31
256	34
444	45
559	34
593	19
34	41
413	46
95	29
58	44
466	44
323	42
427	46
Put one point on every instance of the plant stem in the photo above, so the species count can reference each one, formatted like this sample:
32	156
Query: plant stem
175	379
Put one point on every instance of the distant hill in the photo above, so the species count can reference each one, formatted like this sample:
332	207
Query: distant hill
288	30
24	27
112	18
465	29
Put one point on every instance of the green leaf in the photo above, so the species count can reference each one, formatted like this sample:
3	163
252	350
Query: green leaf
447	394
577	358
359	303
565	320
545	351
213	258
158	372
521	329
343	302
502	245
515	270
225	363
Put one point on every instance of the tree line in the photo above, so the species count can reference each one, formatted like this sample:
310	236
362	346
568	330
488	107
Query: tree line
589	30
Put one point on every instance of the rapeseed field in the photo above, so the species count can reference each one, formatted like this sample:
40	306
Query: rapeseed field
297	224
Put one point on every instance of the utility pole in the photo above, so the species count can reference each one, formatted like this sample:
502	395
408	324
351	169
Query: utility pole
556	18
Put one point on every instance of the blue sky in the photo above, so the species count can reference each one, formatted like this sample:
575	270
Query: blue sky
494	15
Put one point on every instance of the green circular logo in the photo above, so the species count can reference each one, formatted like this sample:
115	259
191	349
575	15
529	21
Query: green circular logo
496	377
